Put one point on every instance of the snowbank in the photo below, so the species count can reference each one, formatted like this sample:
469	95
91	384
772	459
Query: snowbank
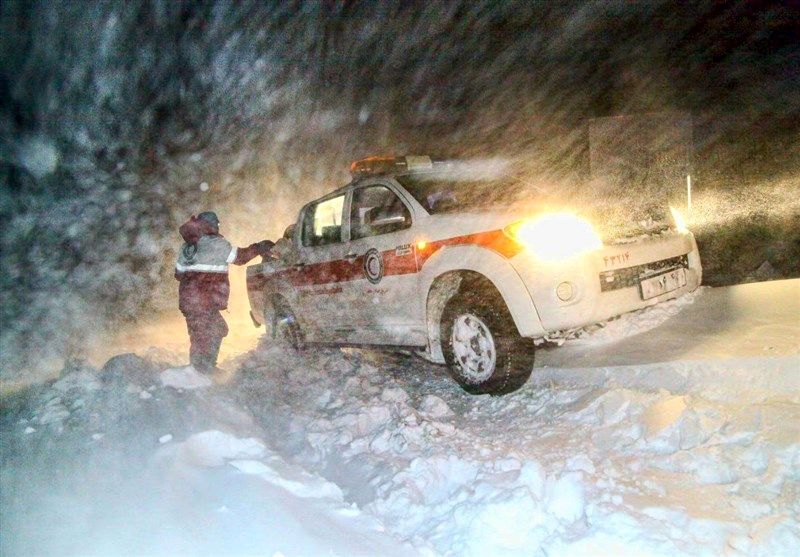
694	457
737	322
253	502
357	453
185	377
112	472
582	467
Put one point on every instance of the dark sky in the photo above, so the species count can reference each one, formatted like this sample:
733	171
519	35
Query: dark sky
428	63
608	56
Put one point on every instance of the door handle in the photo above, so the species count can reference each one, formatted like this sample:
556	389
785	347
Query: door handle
350	257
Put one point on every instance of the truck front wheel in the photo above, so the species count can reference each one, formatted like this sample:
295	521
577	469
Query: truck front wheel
482	348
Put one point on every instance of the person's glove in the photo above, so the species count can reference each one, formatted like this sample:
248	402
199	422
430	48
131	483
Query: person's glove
264	247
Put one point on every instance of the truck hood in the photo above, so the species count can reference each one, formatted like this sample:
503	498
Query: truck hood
614	224
456	224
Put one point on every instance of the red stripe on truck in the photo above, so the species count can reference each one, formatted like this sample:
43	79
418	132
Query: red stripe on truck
342	270
494	240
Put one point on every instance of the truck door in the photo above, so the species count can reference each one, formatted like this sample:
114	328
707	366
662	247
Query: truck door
321	268
381	251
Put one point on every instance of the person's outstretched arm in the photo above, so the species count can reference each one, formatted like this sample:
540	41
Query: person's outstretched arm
241	256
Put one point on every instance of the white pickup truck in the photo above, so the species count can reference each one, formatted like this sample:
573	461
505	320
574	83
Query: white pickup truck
465	268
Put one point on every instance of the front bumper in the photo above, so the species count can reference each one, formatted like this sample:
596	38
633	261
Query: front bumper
605	283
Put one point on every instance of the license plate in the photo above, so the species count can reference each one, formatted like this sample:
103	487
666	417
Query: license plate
663	283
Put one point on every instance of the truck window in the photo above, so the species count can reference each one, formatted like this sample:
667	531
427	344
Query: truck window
377	210
322	224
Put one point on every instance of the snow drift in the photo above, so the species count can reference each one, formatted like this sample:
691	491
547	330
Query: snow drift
359	453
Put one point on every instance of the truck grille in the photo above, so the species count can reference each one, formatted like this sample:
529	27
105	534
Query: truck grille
630	276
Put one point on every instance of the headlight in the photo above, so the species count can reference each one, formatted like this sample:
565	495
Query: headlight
555	237
680	222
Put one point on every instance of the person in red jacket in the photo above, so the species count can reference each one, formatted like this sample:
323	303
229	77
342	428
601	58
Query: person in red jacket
203	291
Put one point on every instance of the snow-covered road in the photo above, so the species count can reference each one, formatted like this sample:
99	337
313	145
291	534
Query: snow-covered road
746	320
672	431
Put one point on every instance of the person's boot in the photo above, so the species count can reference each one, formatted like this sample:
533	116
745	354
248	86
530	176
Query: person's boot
195	360
203	363
213	354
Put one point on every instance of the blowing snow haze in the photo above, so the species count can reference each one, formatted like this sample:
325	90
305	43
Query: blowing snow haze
117	121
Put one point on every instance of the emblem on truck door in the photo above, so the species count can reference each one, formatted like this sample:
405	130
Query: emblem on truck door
373	266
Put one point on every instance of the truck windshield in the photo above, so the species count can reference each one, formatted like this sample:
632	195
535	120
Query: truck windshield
441	192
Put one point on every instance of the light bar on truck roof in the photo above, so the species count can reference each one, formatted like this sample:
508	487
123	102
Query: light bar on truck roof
383	165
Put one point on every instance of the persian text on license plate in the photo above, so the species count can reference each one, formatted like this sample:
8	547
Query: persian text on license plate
663	283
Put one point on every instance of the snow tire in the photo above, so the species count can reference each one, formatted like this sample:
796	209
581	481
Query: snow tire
511	353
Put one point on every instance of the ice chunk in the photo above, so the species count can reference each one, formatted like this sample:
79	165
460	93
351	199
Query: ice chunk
565	497
292	479
580	463
435	407
663	414
185	377
680	423
436	479
213	448
394	395
54	411
372	418
512	524
82	380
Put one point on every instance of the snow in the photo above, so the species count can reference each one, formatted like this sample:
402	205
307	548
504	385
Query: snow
632	323
185	377
38	156
351	452
212	448
312	518
206	492
661	456
741	321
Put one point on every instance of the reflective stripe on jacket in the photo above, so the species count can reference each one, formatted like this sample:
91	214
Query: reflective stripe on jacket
202	269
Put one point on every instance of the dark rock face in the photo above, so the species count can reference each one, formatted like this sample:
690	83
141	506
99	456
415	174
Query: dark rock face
131	368
117	121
